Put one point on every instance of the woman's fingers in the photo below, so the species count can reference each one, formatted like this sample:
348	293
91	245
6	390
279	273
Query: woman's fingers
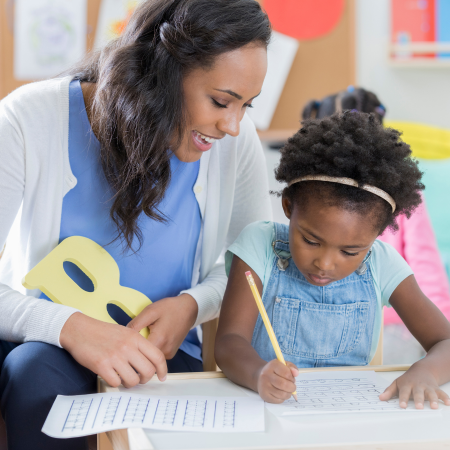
156	356
110	376
144	319
106	349
143	367
126	373
390	391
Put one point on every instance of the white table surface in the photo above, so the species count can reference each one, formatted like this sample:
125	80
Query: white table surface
396	430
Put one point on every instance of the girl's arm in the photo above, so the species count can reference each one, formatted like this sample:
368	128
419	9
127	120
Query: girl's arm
429	326
233	350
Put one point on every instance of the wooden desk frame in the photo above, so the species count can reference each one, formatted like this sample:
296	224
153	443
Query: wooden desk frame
119	439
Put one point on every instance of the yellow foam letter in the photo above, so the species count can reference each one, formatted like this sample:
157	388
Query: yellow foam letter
50	277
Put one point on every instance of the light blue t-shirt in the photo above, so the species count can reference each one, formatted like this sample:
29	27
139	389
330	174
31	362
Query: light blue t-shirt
389	269
163	267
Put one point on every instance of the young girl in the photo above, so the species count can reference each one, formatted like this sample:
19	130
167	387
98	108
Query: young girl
325	278
414	240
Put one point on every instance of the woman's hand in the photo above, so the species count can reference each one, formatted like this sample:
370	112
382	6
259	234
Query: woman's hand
112	351
169	321
420	384
276	382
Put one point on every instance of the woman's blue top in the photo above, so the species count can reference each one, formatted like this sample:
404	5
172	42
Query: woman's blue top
163	266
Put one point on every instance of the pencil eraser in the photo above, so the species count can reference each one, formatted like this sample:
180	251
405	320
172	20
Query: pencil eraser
248	273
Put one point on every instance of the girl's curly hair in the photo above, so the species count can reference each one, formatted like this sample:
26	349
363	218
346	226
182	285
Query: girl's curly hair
353	145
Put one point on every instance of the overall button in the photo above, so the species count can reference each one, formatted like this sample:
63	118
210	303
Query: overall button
198	189
277	300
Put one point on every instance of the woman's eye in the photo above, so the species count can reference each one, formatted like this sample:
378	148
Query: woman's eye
309	242
219	105
349	254
248	105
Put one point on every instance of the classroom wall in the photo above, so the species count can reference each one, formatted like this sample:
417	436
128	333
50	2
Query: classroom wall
412	94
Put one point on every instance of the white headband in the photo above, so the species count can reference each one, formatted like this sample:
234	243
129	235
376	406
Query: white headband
348	182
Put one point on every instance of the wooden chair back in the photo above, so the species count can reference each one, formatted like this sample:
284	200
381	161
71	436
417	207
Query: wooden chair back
377	359
209	338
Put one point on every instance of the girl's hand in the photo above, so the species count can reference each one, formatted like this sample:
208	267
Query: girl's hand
418	383
117	354
169	321
276	382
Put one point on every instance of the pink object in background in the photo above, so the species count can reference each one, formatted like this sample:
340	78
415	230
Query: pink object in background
304	19
416	242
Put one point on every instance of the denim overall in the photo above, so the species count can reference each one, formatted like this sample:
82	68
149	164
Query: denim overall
316	326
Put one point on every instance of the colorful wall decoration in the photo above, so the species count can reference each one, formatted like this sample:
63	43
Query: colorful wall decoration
304	19
113	18
420	21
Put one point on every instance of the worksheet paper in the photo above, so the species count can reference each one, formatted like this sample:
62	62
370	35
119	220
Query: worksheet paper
340	392
82	415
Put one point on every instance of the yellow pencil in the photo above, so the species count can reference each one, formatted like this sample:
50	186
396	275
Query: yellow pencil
266	321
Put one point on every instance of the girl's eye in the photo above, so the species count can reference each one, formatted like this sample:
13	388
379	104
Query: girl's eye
248	105
309	242
217	104
349	254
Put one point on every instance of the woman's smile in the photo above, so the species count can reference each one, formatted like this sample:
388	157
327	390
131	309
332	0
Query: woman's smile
203	142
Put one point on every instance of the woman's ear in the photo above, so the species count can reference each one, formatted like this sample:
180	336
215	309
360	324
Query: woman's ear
287	207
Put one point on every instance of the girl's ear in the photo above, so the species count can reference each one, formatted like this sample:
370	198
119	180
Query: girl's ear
287	207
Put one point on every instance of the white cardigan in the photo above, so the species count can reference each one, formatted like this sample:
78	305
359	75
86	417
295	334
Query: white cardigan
35	175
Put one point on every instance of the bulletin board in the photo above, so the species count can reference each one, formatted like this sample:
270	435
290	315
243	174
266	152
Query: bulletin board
7	81
321	66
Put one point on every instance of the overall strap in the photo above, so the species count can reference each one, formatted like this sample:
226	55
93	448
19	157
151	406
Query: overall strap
362	269
280	245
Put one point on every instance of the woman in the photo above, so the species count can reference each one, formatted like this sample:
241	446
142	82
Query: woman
146	149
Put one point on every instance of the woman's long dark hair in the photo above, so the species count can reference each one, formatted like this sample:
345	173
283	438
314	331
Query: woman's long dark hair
138	109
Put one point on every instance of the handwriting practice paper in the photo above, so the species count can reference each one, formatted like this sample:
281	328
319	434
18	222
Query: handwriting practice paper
340	392
83	415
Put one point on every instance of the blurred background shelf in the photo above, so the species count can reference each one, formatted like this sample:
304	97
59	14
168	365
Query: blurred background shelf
429	63
421	47
437	55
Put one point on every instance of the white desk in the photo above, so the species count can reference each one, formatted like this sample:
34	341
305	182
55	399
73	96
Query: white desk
368	431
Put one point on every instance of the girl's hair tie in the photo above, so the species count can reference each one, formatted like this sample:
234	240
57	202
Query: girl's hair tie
349	182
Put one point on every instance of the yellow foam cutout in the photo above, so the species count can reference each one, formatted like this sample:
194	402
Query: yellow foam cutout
50	277
426	141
